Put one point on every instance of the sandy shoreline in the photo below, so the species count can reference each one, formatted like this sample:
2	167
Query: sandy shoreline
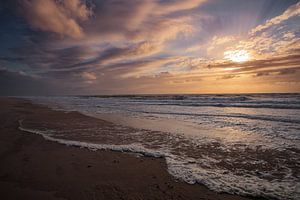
33	168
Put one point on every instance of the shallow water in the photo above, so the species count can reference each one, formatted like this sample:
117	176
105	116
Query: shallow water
243	144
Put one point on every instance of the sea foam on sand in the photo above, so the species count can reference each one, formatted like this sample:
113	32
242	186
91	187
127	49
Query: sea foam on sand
186	169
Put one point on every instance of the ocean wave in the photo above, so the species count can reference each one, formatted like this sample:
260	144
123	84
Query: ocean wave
252	117
269	99
206	104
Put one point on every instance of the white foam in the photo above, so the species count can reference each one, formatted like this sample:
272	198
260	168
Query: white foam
224	181
132	148
188	171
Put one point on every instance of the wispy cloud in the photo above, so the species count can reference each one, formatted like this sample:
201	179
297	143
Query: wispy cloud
292	11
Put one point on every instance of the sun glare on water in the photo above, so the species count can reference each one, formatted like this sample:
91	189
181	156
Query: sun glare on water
237	55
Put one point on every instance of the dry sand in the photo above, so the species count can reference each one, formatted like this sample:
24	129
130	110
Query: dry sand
33	168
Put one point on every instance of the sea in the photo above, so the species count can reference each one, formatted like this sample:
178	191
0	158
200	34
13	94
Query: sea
246	144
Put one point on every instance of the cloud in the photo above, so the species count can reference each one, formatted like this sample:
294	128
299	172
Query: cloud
220	40
137	21
117	54
39	56
118	46
106	32
166	7
20	83
140	68
229	76
218	44
287	71
77	9
162	30
278	72
60	17
262	74
292	11
277	37
89	21
112	16
272	62
89	76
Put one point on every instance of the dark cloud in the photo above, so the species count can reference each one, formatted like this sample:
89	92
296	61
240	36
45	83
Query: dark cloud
230	76
262	74
18	83
276	72
114	53
287	71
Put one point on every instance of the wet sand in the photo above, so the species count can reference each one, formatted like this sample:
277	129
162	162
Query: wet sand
33	168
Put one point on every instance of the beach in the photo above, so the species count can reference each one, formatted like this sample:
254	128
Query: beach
34	168
150	99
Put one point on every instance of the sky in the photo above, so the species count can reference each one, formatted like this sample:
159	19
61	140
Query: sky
97	47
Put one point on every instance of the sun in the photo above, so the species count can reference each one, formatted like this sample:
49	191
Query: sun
237	55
